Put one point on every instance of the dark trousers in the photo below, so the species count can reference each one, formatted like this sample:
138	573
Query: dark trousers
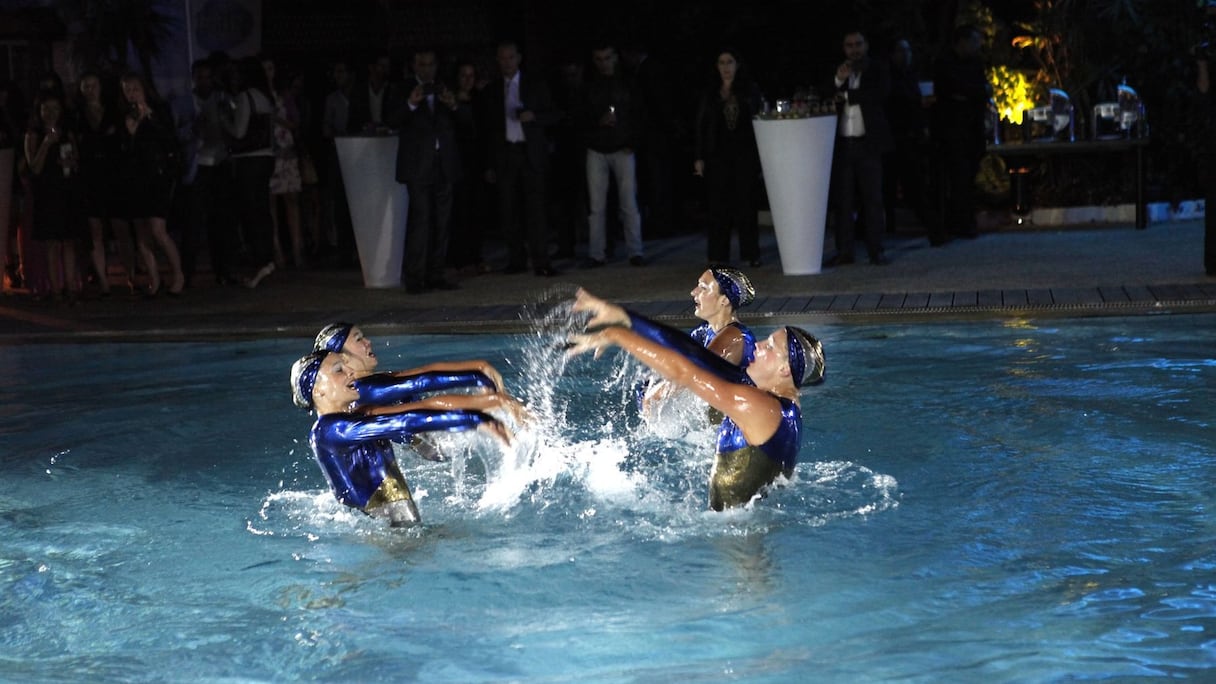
252	183
208	203
906	168
960	161
426	229
468	220
1207	176
335	208
731	185
655	186
518	177
568	199
857	186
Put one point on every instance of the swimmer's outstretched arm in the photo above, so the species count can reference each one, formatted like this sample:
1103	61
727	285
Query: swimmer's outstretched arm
459	402
604	313
473	365
756	412
683	344
402	422
379	389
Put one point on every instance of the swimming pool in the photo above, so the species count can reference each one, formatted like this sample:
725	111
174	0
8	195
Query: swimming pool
997	501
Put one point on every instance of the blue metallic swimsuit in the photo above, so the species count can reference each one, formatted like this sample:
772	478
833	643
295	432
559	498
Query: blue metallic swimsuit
355	451
385	389
740	470
705	335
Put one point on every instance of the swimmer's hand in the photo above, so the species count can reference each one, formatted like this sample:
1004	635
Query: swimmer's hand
581	343
497	430
492	373
603	313
516	409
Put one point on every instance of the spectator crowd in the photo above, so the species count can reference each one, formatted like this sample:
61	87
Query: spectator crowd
104	184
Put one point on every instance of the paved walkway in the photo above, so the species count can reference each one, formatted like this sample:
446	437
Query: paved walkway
1109	270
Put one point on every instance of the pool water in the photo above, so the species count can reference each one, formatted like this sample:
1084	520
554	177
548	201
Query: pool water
982	501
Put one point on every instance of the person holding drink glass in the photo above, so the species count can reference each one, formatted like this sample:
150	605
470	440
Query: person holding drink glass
51	153
610	116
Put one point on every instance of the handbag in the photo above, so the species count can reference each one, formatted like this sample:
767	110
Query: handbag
257	133
308	170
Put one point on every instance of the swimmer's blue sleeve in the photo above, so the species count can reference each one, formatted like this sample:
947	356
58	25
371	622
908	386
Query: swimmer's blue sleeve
353	450
382	389
687	347
351	428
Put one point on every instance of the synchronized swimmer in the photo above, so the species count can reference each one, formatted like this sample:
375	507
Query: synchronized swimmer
360	414
760	436
755	385
720	292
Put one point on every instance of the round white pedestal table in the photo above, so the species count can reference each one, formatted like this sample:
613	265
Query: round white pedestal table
796	157
378	205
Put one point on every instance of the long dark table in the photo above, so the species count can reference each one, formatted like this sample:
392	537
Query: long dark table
1118	145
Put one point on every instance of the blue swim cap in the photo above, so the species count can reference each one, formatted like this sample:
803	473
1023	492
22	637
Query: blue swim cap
304	377
332	337
806	357
735	285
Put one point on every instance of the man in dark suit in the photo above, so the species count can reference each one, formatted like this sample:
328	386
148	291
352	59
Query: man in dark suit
862	137
661	133
428	162
515	109
371	99
960	89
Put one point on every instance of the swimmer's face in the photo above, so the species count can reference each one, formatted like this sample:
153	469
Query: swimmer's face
772	360
707	297
335	381
359	350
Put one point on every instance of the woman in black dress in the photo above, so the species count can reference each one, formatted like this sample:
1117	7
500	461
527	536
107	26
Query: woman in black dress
249	125
51	152
148	171
726	156
97	124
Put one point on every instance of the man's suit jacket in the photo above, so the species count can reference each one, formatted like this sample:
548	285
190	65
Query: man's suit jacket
535	97
426	139
871	93
360	112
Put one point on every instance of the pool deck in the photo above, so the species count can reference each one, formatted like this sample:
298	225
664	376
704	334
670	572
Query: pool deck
1022	273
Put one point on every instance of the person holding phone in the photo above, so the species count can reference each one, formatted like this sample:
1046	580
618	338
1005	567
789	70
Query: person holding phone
428	163
514	111
50	152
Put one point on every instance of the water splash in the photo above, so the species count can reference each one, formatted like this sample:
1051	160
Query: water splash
589	454
55	466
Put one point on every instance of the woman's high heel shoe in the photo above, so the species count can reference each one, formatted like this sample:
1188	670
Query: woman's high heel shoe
261	275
